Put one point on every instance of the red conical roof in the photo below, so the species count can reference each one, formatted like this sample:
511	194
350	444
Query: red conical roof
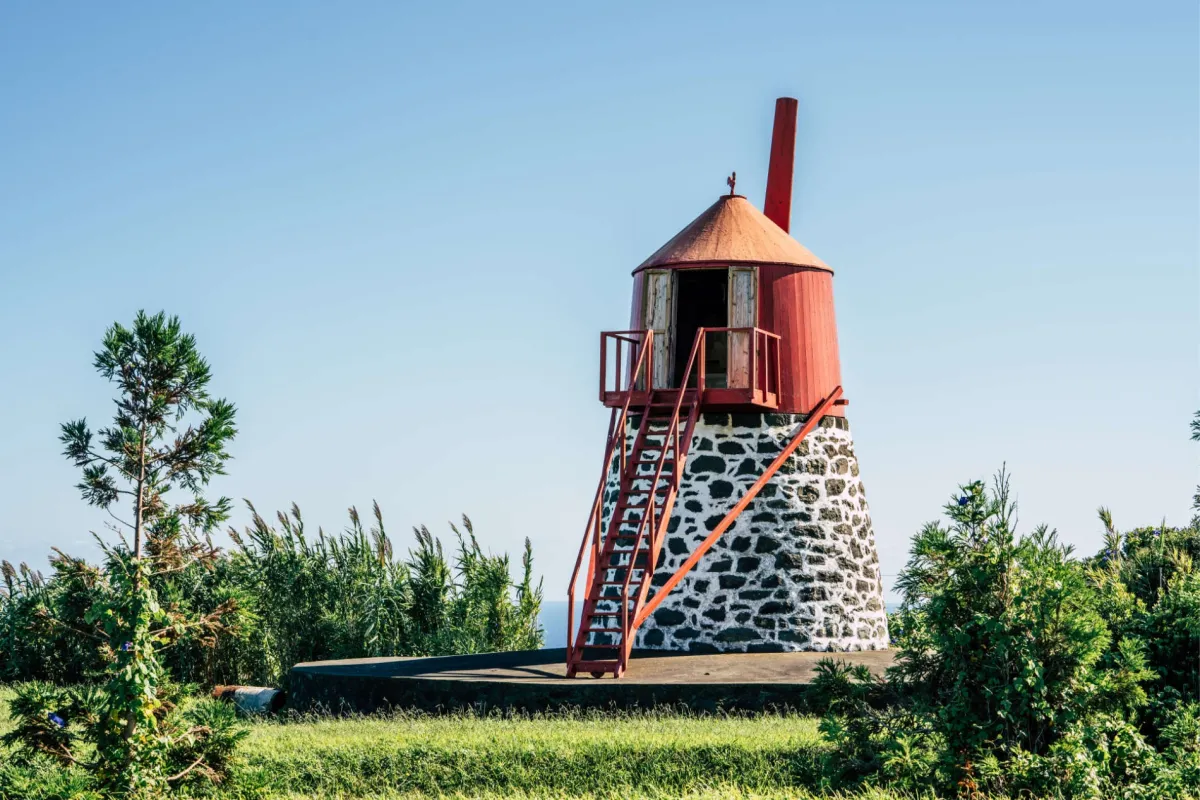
733	231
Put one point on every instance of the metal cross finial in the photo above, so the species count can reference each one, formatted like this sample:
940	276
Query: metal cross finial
732	181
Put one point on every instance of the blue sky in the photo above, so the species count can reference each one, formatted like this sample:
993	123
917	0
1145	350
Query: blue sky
396	234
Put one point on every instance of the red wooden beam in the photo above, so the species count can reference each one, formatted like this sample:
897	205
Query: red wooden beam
813	420
778	205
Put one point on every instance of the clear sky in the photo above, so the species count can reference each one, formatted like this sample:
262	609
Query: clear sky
397	233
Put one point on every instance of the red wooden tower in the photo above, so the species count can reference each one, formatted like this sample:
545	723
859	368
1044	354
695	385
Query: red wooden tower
731	358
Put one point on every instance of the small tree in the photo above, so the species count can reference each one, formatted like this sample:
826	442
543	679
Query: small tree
134	464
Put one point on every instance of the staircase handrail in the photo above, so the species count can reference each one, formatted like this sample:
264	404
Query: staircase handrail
616	431
649	516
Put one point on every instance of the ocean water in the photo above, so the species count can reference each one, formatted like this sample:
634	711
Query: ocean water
554	620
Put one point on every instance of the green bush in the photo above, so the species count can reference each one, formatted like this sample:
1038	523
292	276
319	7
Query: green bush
286	597
1022	671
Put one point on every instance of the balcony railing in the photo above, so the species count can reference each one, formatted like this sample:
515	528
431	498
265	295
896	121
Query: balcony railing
737	367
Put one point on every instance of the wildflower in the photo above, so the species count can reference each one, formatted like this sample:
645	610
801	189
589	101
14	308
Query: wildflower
57	720
127	646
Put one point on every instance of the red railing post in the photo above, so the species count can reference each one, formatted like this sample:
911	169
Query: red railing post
616	428
752	340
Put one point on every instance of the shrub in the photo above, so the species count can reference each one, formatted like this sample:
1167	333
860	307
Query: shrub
1001	634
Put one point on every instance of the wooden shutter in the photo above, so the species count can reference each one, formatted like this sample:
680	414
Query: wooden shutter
658	319
743	313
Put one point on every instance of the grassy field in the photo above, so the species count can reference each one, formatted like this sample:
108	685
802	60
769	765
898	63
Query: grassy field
584	756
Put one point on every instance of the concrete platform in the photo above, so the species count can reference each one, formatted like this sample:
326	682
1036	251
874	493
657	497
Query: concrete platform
535	680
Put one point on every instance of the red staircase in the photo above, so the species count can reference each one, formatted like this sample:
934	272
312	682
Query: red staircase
622	561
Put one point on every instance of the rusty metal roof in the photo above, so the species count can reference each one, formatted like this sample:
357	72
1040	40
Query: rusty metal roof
733	231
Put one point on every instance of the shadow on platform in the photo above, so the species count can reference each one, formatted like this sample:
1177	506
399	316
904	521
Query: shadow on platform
535	680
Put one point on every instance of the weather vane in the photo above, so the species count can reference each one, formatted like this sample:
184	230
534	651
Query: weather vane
732	181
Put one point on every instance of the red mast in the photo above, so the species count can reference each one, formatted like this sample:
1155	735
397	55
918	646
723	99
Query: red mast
778	206
797	302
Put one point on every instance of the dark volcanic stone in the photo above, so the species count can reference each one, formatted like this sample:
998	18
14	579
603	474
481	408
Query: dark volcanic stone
700	587
737	635
748	564
708	464
740	544
677	546
749	467
809	532
719	490
764	516
712	522
768	447
654	638
693	506
724	565
691	602
703	648
766	544
810	493
715	614
770	582
719	420
834	486
686	633
788	561
776	607
732	581
668	616
764	647
812	594
731	448
753	594
793	636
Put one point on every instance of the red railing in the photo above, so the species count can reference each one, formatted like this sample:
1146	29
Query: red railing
749	374
642	364
619	350
672	433
751	360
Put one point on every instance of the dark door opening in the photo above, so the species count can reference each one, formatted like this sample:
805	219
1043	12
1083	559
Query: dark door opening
701	301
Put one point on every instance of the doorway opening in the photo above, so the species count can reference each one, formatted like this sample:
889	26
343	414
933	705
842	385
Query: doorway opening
701	301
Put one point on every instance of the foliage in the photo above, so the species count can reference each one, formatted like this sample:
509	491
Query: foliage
1024	671
348	596
285	597
875	738
1002	637
145	454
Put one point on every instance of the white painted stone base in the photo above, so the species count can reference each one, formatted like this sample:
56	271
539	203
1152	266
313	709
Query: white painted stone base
798	570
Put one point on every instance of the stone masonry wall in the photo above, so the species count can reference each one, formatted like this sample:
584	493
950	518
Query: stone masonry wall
798	570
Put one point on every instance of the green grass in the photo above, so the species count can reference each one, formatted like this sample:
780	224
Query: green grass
587	754
597	756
